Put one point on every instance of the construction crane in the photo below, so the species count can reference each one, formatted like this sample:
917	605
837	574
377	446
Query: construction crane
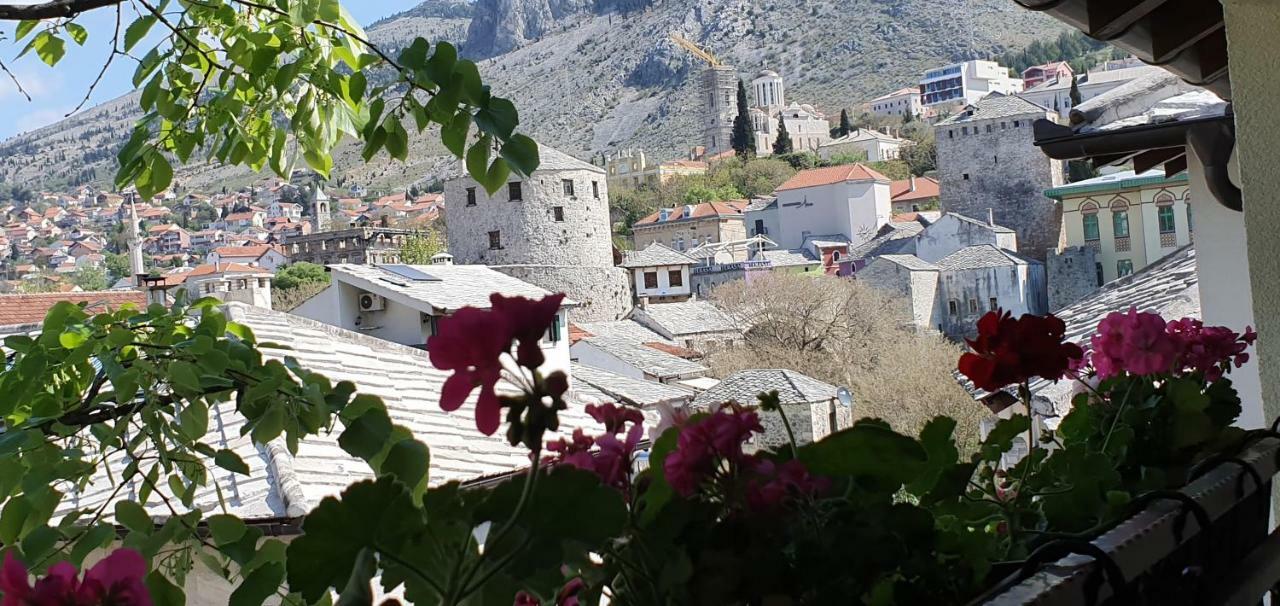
695	50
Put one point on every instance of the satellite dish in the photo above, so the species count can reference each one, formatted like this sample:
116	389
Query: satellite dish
845	397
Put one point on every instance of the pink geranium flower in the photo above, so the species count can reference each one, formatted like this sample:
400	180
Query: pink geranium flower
775	484
470	343
1134	342
527	320
117	580
703	445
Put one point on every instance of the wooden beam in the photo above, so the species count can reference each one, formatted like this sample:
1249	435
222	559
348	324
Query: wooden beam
1100	161
1110	18
1146	161
1181	25
1175	166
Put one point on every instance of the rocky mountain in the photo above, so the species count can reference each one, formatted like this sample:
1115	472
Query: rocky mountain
593	75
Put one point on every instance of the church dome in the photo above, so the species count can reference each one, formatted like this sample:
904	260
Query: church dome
767	73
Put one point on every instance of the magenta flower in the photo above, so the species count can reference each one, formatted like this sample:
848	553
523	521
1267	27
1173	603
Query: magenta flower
611	458
615	417
1210	349
470	343
527	320
705	444
117	580
524	598
568	595
776	484
1133	342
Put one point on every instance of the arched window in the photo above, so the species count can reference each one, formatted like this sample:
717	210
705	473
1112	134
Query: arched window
1164	213
1089	218
1120	218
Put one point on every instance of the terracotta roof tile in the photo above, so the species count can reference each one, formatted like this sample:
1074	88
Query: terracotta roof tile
703	210
32	308
829	175
926	187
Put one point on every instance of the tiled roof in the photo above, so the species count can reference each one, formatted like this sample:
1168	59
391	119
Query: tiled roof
456	286
1117	181
619	388
32	308
730	208
688	317
760	204
280	484
902	91
910	262
996	105
649	360
1000	229
781	257
552	159
252	251
743	387
892	238
623	329
815	177
980	256
926	187
654	255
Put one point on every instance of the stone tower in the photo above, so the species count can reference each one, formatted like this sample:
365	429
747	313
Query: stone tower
136	265
1071	273
321	208
551	229
720	92
987	158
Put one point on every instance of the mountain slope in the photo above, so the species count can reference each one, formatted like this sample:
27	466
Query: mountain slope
594	75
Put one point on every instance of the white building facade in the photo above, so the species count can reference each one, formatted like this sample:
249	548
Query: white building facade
850	200
966	83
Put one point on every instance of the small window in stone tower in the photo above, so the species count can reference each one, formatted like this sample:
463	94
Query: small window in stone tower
973	306
495	240
993	304
953	307
557	213
966	176
471	196
595	189
515	191
1015	124
568	186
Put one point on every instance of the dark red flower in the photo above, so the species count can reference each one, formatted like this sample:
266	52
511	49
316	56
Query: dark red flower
528	320
614	417
568	595
471	343
525	599
1008	351
775	484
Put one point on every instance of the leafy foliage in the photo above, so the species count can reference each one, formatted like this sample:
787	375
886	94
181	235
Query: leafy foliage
226	75
298	274
420	246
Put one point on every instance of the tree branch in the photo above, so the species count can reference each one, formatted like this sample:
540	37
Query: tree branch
51	10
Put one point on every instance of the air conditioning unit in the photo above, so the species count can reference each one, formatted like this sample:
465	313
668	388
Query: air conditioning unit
371	302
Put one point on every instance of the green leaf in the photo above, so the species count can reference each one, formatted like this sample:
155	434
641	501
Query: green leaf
366	436
231	461
49	47
318	160
24	27
454	134
478	158
440	67
193	419
335	532
74	338
397	139
521	153
868	450
270	424
499	118
330	10
408	460
261	584
132	516
77	32
414	56
137	31
225	528
163	591
184	376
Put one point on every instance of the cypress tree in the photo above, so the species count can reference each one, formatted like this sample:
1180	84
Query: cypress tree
741	140
846	126
1075	92
782	143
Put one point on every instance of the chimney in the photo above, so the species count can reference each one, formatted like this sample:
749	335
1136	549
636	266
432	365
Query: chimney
991	217
913	183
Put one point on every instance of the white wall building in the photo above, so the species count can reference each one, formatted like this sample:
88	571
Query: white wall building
966	83
659	274
404	303
899	103
1056	94
874	145
850	200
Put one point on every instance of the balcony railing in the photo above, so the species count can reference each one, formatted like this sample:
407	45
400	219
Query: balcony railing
1168	240
1207	543
1122	244
735	266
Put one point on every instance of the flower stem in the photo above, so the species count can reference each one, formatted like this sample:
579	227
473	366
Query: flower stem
466	588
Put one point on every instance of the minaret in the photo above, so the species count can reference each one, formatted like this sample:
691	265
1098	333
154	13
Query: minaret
320	209
135	246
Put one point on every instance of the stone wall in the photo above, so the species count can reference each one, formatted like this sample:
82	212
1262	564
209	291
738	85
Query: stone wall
1072	273
994	164
528	229
603	293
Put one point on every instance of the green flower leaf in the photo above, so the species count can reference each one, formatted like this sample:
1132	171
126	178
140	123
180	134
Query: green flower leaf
132	516
867	450
137	31
230	461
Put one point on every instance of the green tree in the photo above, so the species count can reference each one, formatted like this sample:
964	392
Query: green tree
922	157
1075	92
224	73
742	139
91	278
705	193
420	246
297	274
782	142
117	265
846	126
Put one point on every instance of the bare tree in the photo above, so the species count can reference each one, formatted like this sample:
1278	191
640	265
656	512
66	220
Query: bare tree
847	333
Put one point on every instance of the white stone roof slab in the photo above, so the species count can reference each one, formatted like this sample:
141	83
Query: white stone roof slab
743	387
457	286
647	359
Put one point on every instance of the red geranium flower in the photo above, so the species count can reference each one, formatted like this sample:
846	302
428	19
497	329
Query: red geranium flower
116	580
470	343
1008	351
528	321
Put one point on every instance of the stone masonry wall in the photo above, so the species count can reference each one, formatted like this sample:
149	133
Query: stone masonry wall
528	229
1072	273
993	164
603	293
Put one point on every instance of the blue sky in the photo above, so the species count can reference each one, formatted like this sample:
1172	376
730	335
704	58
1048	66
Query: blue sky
56	91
